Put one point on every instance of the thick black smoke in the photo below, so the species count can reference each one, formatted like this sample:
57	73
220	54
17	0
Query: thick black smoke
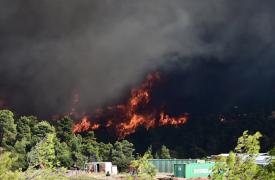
49	49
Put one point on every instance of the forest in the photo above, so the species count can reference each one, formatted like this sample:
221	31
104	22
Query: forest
37	144
29	144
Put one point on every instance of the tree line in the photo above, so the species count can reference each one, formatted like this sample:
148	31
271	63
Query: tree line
27	143
38	144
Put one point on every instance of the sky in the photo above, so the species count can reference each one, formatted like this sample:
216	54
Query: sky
212	54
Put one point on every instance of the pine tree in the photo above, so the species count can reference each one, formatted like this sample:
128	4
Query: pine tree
122	154
90	147
164	152
148	153
64	129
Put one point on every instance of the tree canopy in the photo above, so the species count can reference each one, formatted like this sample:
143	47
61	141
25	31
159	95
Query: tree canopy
28	143
7	129
241	163
122	154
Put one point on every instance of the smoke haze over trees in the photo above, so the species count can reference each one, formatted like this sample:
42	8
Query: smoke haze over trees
214	61
49	49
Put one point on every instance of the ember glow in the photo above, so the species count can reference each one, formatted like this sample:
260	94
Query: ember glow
137	111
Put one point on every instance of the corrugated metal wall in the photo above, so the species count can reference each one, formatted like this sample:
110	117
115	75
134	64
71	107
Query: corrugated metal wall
167	165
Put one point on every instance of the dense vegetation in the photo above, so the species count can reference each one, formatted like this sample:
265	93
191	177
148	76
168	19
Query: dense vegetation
28	144
240	164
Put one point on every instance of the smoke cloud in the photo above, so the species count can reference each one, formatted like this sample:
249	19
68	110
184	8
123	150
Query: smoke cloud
49	49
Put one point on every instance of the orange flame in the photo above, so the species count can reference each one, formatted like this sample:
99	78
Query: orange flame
165	119
95	126
125	118
84	125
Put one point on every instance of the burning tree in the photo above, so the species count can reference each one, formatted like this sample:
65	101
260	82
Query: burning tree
137	111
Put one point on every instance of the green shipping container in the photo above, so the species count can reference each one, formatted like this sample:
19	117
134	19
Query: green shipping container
190	170
167	165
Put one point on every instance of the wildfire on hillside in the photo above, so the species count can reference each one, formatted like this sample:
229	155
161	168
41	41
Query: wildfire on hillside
125	118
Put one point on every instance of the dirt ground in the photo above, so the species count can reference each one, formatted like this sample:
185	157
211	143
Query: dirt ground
167	176
123	176
101	176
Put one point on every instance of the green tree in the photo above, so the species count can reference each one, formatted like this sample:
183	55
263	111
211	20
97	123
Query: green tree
156	156
6	161
21	152
43	153
272	152
220	169
63	154
76	149
90	147
267	172
240	165
7	129
249	144
143	168
33	121
231	162
122	154
105	151
41	130
164	152
23	128
64	129
148	153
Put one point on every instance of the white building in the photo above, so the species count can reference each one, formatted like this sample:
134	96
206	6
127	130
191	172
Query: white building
105	167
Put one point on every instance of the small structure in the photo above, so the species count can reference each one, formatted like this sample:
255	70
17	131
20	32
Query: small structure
99	167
